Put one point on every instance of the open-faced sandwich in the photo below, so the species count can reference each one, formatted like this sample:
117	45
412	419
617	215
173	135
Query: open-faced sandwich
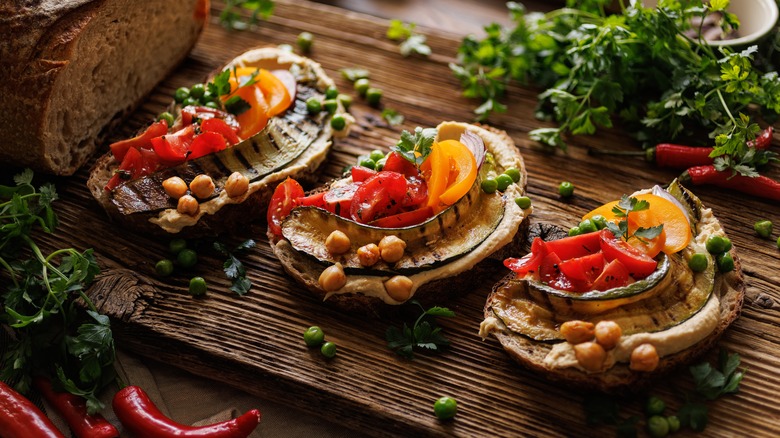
418	225
639	286
214	159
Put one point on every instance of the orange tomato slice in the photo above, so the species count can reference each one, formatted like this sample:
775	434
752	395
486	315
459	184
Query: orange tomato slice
275	92
463	171
439	165
677	230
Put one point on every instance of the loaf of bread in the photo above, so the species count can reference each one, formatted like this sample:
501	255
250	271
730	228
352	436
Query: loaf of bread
71	67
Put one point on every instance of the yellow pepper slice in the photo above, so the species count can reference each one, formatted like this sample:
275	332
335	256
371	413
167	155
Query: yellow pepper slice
453	170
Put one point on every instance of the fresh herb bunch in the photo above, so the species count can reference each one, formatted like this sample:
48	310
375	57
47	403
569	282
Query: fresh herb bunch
52	334
423	334
232	16
411	42
624	207
416	147
234	268
635	67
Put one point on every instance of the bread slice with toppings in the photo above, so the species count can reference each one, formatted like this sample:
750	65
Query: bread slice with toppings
680	318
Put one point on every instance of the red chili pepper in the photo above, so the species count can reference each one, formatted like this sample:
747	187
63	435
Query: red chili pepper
19	418
761	186
73	410
140	416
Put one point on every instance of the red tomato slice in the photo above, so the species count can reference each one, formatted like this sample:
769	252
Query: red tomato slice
379	196
136	163
416	192
615	274
550	273
530	262
575	246
360	173
143	141
338	200
286	197
394	162
315	200
173	148
405	219
639	265
585	268
221	127
206	143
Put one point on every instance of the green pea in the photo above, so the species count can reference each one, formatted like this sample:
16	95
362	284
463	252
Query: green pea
367	162
727	243
187	258
198	286
513	173
763	229
588	226
338	122
489	185
503	182
698	262
658	426
331	105
674	423
523	202
566	189
380	164
600	221
575	231
725	262
362	85
716	244
655	406
190	102
168	117
313	105
212	105
328	349
180	94
345	99
164	268
207	97
445	408
176	245
373	96
376	155
304	41
313	336
197	91
332	92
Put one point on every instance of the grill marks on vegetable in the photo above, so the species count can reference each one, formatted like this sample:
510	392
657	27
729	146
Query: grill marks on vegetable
284	139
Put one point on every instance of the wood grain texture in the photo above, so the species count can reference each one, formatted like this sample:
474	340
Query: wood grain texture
255	342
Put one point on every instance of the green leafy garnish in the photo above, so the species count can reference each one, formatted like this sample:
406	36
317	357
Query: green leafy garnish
392	117
232	16
52	335
626	206
354	73
234	269
416	147
423	334
411	42
220	87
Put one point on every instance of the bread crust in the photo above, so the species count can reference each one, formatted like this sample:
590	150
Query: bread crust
74	67
729	287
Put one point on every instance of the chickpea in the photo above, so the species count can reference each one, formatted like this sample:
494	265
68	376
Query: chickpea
590	355
333	278
338	243
368	254
399	287
236	185
202	186
576	332
644	358
391	248
188	205
608	334
175	187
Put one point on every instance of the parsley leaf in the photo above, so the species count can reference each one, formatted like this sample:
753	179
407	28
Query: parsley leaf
416	147
424	334
233	267
392	117
232	16
410	42
622	209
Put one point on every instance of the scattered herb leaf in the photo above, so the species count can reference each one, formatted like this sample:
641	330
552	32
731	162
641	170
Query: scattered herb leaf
423	334
392	117
234	269
624	207
354	73
232	16
416	147
411	42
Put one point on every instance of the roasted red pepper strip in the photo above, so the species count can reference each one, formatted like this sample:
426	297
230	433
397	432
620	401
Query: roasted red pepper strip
141	417
73	409
760	186
20	418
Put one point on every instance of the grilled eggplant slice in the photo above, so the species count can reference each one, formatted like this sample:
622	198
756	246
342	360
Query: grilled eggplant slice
293	144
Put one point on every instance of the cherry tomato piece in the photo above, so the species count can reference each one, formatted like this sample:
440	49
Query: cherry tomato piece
173	148
136	163
222	128
550	273
379	196
206	143
396	163
585	268
530	262
416	192
615	274
639	265
143	141
405	219
338	200
286	197
575	246
361	173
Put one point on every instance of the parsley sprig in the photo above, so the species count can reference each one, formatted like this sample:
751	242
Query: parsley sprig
411	42
52	334
416	147
234	268
626	206
423	334
220	86
232	16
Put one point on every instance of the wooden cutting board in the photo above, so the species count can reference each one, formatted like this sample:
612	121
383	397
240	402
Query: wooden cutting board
255	342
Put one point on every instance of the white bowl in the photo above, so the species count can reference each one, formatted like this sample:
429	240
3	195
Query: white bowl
756	19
